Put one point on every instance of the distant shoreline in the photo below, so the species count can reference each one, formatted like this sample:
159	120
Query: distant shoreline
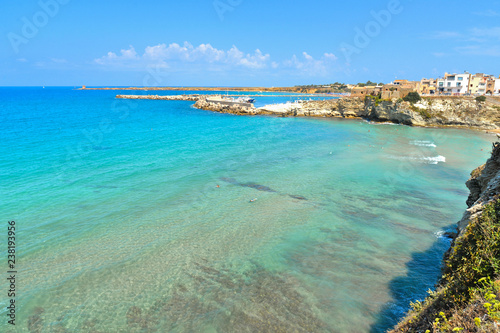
295	90
283	89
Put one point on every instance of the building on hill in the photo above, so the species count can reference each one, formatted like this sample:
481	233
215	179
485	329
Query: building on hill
391	90
490	86
399	89
427	87
405	84
456	84
477	84
366	91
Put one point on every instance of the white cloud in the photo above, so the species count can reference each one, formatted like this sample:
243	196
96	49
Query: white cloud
162	54
111	57
256	60
205	57
445	35
309	65
488	13
471	35
493	32
481	41
492	51
307	56
330	56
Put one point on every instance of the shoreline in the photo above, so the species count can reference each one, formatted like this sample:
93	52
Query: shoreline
463	113
246	89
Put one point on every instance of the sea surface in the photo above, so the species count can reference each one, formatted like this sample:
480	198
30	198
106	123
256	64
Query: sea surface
153	216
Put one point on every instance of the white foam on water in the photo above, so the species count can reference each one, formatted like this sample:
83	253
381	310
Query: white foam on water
422	159
439	234
381	123
435	160
423	143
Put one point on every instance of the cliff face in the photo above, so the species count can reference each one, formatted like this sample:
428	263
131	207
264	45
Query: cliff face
484	186
428	112
436	111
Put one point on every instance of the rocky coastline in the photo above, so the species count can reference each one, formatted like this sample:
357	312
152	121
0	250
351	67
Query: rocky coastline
463	112
436	112
467	298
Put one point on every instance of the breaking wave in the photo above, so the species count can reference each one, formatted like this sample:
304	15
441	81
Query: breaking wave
422	159
422	143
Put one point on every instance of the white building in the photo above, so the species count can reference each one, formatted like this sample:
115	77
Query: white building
497	86
454	84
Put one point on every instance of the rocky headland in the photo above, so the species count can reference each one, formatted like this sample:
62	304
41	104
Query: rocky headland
455	112
463	112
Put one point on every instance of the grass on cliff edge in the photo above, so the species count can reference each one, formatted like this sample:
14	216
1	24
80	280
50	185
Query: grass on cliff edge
468	299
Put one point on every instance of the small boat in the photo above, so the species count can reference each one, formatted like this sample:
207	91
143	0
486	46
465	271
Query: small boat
244	100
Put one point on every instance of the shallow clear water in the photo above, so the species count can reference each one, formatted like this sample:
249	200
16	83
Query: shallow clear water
122	228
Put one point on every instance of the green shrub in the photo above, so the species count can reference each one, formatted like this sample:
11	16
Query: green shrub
412	97
476	256
468	298
480	98
423	112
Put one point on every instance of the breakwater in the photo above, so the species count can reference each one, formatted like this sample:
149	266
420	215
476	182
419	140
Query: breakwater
193	98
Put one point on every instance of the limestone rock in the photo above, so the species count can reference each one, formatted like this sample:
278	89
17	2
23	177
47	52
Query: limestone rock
484	186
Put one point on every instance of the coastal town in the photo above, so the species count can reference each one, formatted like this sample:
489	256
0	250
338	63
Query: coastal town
451	84
465	84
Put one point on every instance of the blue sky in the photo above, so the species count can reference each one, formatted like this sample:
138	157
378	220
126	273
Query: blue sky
243	42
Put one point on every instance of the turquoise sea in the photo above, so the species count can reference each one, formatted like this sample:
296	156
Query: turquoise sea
136	216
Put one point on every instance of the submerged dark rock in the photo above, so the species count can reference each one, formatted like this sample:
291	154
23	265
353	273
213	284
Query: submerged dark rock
298	197
35	322
256	186
259	187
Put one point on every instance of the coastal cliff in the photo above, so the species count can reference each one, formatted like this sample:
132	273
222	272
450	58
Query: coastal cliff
438	112
456	112
468	295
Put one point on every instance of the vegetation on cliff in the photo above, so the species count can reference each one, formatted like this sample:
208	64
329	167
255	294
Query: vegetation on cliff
412	97
468	296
